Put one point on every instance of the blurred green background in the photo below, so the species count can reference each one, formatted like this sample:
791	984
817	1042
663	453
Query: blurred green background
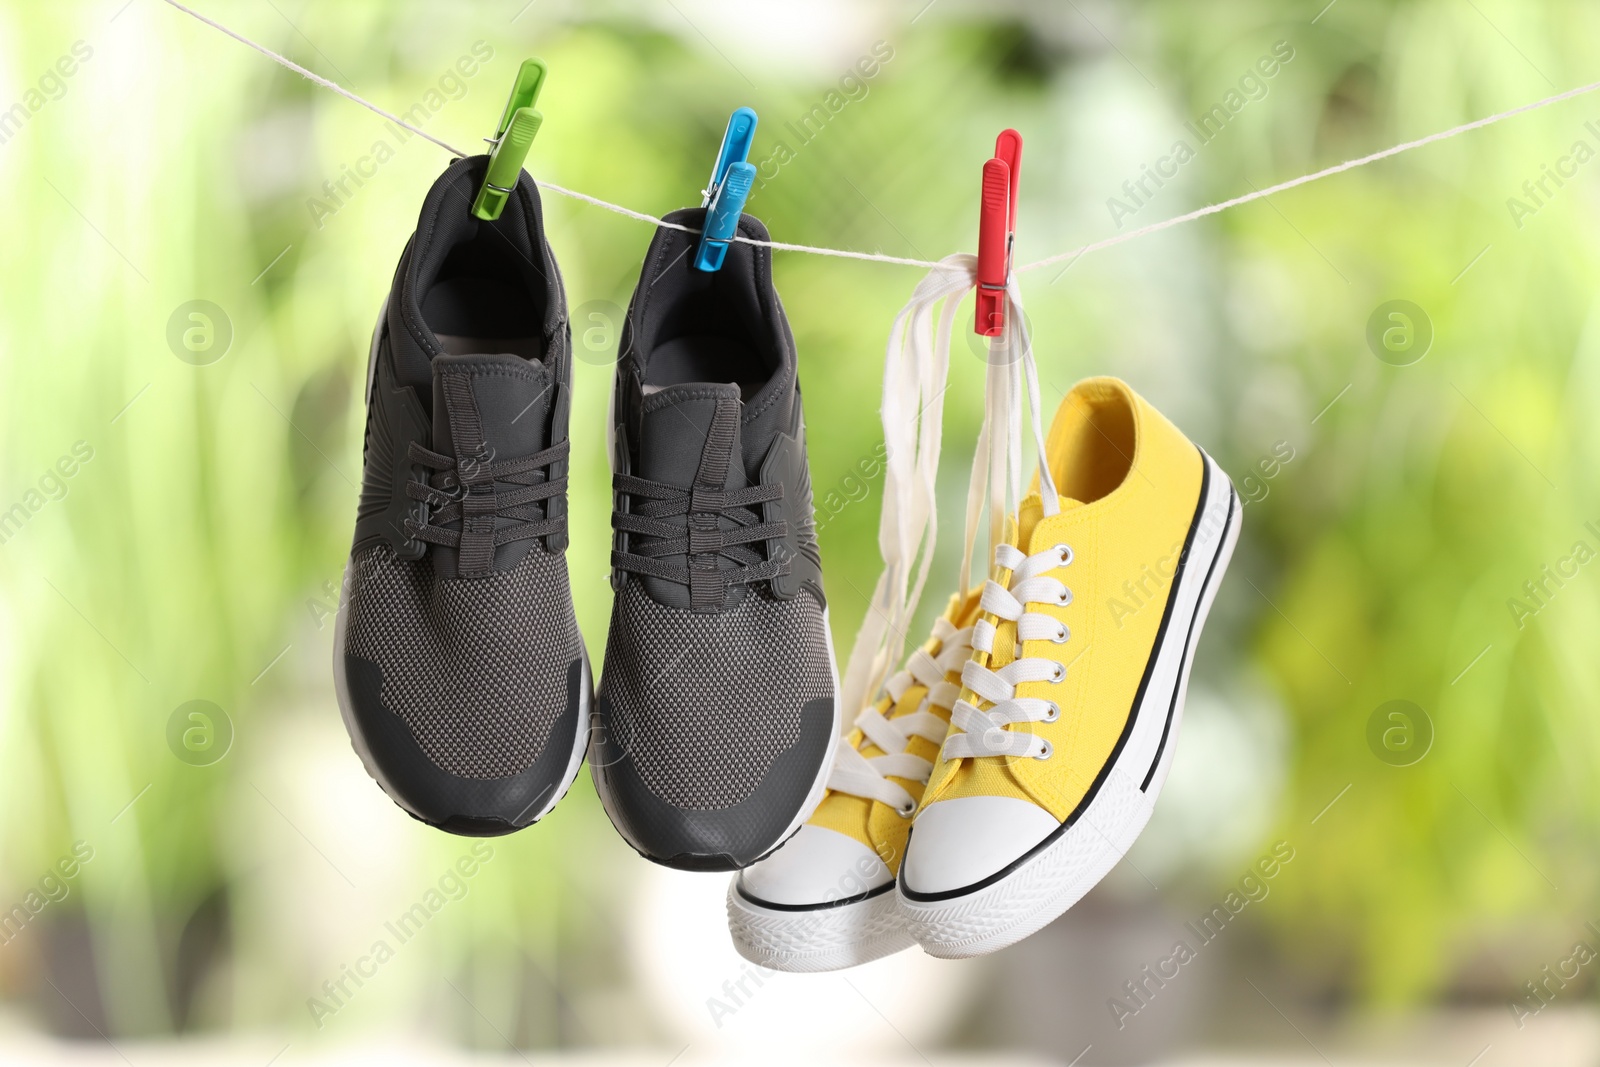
180	506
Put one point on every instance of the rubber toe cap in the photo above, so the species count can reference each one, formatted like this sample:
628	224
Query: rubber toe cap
958	843
816	866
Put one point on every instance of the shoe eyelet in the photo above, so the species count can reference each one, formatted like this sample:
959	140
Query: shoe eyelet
1065	552
1058	675
1053	714
1046	752
907	811
1063	636
1065	598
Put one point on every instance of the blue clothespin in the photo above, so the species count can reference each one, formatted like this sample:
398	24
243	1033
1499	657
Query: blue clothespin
731	181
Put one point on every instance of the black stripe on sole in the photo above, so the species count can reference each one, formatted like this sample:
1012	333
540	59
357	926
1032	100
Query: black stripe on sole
877	891
1133	711
1188	643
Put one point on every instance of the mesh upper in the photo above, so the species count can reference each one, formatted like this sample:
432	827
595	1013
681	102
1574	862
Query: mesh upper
476	667
703	703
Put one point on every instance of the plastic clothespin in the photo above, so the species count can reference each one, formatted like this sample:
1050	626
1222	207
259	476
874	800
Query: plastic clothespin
511	141
731	181
997	224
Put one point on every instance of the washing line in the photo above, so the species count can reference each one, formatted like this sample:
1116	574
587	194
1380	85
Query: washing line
873	257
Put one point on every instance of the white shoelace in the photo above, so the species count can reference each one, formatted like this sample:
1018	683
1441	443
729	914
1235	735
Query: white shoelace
976	731
999	460
859	776
915	370
915	376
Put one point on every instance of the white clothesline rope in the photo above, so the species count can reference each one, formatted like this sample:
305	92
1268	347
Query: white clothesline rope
873	257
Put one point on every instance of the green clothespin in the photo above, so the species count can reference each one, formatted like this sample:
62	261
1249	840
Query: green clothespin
512	139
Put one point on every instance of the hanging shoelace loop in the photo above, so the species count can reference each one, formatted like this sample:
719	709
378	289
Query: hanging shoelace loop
915	378
916	373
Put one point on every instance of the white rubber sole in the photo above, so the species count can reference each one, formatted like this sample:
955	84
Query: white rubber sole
341	685
1040	887
819	786
817	939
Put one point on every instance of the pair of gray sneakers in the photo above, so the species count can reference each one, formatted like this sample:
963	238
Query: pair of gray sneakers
460	671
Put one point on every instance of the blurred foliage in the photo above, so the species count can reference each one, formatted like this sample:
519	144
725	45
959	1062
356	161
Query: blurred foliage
206	535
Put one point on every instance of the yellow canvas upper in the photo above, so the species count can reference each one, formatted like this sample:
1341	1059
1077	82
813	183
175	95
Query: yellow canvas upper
874	824
1130	483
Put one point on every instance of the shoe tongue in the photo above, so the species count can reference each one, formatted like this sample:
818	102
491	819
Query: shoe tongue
492	405
679	430
1030	514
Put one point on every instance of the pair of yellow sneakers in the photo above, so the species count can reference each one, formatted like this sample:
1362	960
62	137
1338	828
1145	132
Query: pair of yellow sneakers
1014	761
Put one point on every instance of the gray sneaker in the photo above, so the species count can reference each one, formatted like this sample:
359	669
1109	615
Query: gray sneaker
718	708
717	704
460	671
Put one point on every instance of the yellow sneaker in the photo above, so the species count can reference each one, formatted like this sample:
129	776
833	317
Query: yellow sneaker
824	900
1070	705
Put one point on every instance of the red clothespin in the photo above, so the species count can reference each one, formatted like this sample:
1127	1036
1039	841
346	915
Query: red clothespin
997	224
